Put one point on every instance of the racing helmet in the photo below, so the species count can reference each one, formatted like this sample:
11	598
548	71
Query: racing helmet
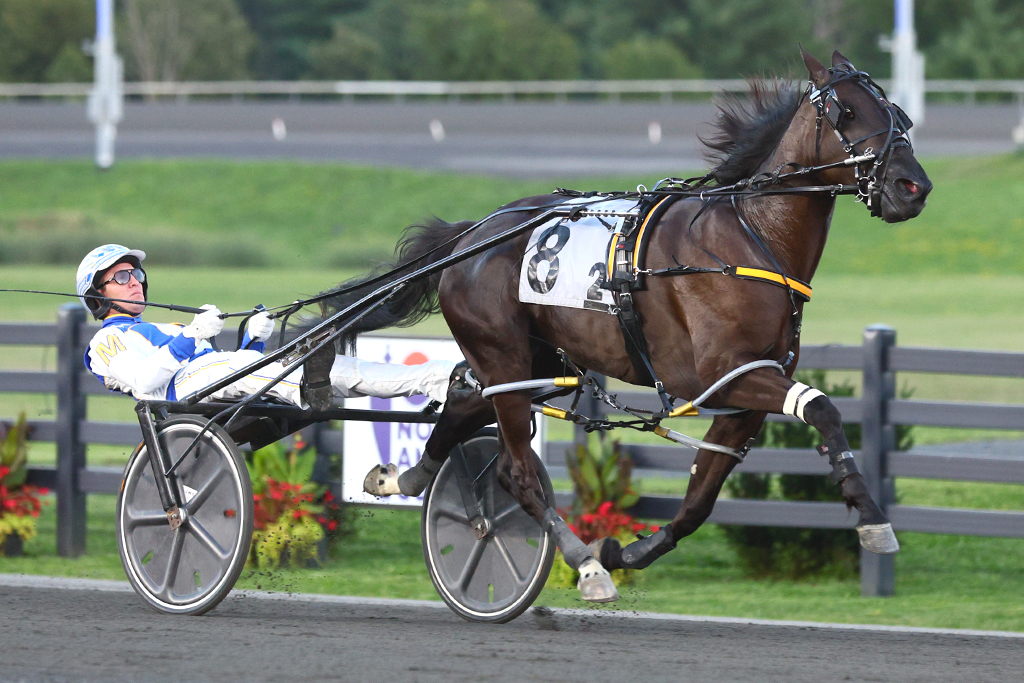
95	264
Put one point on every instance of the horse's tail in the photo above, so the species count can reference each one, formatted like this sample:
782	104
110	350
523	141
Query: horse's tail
419	246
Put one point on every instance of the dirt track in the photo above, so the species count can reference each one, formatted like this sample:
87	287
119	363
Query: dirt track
102	631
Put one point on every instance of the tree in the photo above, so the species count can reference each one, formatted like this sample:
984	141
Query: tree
645	57
489	39
989	43
170	40
287	31
350	54
35	34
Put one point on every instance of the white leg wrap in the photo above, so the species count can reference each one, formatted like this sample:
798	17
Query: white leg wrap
797	399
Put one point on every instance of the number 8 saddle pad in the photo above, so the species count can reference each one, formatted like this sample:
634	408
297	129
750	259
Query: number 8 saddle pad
566	262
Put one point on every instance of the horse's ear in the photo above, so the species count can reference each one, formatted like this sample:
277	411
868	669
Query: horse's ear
817	70
838	59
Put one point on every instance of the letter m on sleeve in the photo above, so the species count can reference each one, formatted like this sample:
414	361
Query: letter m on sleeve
111	348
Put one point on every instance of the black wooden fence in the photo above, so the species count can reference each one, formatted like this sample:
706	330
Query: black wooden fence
878	410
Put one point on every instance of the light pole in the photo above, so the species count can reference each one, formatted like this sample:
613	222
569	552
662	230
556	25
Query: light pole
105	108
907	63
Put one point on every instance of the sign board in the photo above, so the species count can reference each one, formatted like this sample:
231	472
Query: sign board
367	444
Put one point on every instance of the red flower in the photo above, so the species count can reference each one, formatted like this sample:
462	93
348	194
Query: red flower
605	508
332	525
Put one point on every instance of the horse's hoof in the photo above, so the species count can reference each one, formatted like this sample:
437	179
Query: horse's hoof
595	584
382	480
878	538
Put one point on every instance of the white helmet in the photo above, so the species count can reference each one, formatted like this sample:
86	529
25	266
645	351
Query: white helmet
95	263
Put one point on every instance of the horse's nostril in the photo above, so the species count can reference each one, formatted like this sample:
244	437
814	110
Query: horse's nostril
911	187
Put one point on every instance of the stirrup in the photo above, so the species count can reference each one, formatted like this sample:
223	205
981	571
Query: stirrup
382	480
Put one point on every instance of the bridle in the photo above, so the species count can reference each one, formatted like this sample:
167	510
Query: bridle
831	109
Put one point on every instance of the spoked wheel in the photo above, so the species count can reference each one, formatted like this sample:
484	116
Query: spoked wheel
190	569
487	557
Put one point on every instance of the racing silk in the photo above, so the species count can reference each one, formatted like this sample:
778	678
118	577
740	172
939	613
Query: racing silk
139	358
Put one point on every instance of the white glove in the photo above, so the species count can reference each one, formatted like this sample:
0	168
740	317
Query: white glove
260	326
206	324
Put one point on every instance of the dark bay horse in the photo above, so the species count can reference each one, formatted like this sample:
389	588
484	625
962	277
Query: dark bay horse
840	133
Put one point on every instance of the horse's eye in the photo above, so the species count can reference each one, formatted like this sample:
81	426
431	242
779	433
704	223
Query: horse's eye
848	114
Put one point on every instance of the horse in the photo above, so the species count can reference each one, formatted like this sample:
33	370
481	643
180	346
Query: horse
841	132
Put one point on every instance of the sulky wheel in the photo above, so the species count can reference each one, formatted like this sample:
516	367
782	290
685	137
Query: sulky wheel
190	569
487	557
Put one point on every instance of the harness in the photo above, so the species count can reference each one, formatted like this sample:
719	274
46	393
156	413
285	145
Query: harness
627	249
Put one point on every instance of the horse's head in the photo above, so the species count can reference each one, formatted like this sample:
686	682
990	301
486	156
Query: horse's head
869	133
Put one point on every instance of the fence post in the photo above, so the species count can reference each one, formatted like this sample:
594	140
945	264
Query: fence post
877	577
70	449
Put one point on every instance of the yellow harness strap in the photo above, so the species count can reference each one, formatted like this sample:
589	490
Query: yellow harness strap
801	288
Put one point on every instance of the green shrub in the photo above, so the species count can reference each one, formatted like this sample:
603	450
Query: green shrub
787	552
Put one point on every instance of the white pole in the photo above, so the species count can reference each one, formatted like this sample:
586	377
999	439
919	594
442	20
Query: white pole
105	108
907	63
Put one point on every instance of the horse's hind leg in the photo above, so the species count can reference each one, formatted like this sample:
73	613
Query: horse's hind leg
707	475
517	474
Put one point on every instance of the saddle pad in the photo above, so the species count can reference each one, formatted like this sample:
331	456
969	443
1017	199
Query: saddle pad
565	262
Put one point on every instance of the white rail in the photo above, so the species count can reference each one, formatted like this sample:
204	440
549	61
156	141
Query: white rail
454	89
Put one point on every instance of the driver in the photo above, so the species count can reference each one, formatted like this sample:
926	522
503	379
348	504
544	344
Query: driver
161	361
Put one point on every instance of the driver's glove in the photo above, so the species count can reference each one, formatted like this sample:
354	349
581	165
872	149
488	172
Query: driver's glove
206	324
260	326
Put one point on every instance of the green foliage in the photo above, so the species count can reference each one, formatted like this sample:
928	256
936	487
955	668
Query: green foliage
69	66
502	39
643	57
488	39
291	466
972	52
349	54
784	552
40	39
13	453
287	30
601	474
19	502
170	40
294	516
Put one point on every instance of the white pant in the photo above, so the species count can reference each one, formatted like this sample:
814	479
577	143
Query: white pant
349	377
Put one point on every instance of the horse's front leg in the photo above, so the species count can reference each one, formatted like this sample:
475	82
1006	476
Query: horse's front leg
518	475
707	475
767	390
814	408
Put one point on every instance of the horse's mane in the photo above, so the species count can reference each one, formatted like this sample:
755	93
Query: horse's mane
748	128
